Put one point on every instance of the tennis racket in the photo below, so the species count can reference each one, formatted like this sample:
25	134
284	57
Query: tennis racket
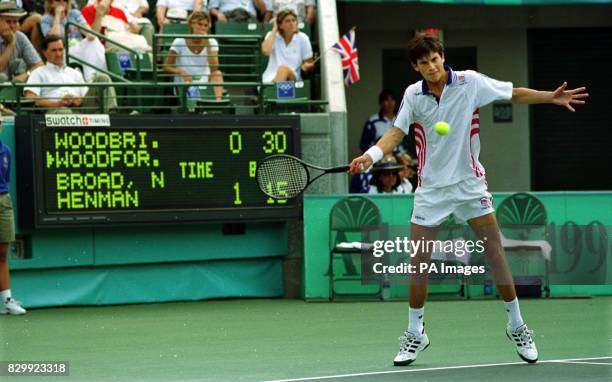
283	176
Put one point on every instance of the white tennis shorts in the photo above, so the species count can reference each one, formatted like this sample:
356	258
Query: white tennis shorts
466	200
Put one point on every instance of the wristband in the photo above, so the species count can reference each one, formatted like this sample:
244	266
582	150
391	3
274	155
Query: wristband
375	153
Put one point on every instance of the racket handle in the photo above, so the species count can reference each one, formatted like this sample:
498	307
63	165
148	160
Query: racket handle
338	169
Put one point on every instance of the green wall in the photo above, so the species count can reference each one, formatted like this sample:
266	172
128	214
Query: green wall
579	207
144	263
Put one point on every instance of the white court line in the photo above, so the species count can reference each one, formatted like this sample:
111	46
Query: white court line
431	369
586	363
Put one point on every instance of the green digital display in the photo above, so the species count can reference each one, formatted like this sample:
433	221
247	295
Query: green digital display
101	170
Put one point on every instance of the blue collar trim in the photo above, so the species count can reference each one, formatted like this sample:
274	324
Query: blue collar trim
452	77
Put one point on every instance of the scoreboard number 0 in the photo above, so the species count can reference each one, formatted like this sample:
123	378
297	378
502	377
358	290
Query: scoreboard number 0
148	169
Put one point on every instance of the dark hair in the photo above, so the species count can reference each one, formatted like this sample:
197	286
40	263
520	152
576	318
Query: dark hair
49	39
375	180
384	94
422	45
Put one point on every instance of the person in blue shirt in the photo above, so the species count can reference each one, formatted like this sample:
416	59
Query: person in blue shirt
8	305
378	124
375	127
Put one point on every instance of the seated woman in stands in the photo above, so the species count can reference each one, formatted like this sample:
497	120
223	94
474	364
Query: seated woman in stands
289	50
136	14
196	59
83	45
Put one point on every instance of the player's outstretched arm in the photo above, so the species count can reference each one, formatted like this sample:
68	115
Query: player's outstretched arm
386	144
560	96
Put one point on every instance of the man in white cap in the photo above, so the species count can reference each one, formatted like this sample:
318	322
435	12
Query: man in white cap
17	55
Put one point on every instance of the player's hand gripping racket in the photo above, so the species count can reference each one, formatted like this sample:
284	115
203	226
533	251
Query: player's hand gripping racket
283	176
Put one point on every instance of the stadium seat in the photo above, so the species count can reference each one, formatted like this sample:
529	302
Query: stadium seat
348	219
239	58
300	102
12	100
208	104
170	29
122	62
452	231
243	29
522	219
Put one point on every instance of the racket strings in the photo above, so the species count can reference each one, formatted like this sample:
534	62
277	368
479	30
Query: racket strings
282	177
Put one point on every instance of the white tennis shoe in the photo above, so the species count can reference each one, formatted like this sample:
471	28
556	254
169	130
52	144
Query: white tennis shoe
523	339
11	306
410	346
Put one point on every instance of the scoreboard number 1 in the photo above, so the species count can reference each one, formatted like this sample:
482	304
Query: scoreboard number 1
237	200
149	169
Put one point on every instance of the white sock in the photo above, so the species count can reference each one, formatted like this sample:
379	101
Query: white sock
415	320
5	295
514	314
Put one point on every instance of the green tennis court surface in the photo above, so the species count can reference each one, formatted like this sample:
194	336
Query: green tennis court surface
258	340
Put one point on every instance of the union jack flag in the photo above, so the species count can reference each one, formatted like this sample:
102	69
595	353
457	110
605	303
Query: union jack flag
347	48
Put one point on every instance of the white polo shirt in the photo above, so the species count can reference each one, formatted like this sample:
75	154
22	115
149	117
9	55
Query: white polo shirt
181	4
194	64
446	160
291	55
53	74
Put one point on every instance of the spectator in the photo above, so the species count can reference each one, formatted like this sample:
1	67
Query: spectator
29	26
385	177
17	55
289	50
304	9
136	13
133	9
111	21
7	234
176	11
31	6
236	10
406	174
378	124
60	99
89	49
196	60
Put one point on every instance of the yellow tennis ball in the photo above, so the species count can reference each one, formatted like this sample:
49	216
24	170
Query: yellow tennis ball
442	128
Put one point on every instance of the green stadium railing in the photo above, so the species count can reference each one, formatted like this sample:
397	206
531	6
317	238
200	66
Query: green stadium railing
301	101
144	87
239	55
141	97
169	97
73	58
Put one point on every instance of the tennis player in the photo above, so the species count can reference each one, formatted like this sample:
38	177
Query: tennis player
8	305
451	180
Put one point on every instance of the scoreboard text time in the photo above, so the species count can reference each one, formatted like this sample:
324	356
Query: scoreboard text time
145	169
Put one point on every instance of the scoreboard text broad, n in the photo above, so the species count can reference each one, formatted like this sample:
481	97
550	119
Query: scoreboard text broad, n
148	169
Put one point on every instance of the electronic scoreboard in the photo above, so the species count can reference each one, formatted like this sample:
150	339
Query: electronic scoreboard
100	169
